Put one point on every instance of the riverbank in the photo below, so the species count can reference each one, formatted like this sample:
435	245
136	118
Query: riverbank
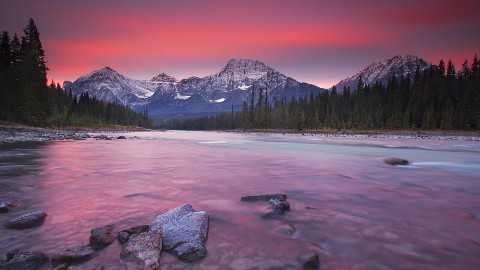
392	134
14	132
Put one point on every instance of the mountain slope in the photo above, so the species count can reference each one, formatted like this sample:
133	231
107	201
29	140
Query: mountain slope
383	70
163	94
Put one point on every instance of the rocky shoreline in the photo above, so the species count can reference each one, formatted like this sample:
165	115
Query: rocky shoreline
374	134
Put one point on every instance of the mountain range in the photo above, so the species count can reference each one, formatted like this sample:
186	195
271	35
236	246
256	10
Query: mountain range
164	94
223	91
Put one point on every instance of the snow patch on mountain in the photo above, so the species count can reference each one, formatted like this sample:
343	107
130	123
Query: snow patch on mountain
382	71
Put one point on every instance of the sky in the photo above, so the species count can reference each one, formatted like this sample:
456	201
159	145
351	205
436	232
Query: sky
316	41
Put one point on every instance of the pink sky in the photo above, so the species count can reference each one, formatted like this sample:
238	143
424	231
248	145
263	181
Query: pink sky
314	41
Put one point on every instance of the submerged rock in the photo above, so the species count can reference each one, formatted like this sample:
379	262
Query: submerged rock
21	259
102	236
265	198
73	255
26	221
311	261
125	234
7	204
144	250
185	232
285	229
396	161
275	208
121	138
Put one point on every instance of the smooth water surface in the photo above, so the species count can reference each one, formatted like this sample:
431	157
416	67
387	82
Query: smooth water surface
348	206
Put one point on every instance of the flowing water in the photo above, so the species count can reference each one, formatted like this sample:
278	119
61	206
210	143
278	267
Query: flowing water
347	205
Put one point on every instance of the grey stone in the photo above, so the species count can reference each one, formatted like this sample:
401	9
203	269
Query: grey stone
396	161
7	204
125	234
311	261
275	208
265	198
144	250
26	221
185	232
73	255
25	260
101	237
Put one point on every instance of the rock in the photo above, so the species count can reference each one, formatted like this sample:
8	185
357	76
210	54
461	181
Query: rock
144	250
285	229
12	253
7	204
125	234
184	232
101	237
102	137
311	261
396	161
275	208
26	221
25	260
121	138
73	255
265	198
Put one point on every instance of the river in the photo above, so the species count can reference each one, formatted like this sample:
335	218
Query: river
347	205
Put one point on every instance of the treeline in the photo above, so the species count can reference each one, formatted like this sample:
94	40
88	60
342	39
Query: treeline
25	96
438	97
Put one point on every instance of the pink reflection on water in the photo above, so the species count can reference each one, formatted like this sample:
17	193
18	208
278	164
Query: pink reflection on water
347	205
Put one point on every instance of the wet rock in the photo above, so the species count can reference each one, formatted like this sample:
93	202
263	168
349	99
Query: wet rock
265	198
125	234
12	253
25	260
285	229
73	255
102	137
144	250
121	138
275	208
185	232
101	237
311	261
7	204
78	267
26	221
396	161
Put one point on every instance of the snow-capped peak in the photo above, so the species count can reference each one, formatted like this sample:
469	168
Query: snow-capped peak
399	65
162	78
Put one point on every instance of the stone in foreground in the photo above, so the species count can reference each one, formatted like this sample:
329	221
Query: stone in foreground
124	235
26	221
73	255
311	262
275	208
185	232
144	250
396	161
25	260
7	204
264	198
101	237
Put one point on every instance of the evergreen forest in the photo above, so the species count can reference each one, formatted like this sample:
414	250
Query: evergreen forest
439	97
26	97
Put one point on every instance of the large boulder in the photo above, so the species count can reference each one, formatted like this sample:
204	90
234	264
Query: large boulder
101	237
264	198
124	235
185	232
144	250
26	221
73	256
20	259
7	204
275	208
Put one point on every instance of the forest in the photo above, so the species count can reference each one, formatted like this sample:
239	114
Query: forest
438	97
26	97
